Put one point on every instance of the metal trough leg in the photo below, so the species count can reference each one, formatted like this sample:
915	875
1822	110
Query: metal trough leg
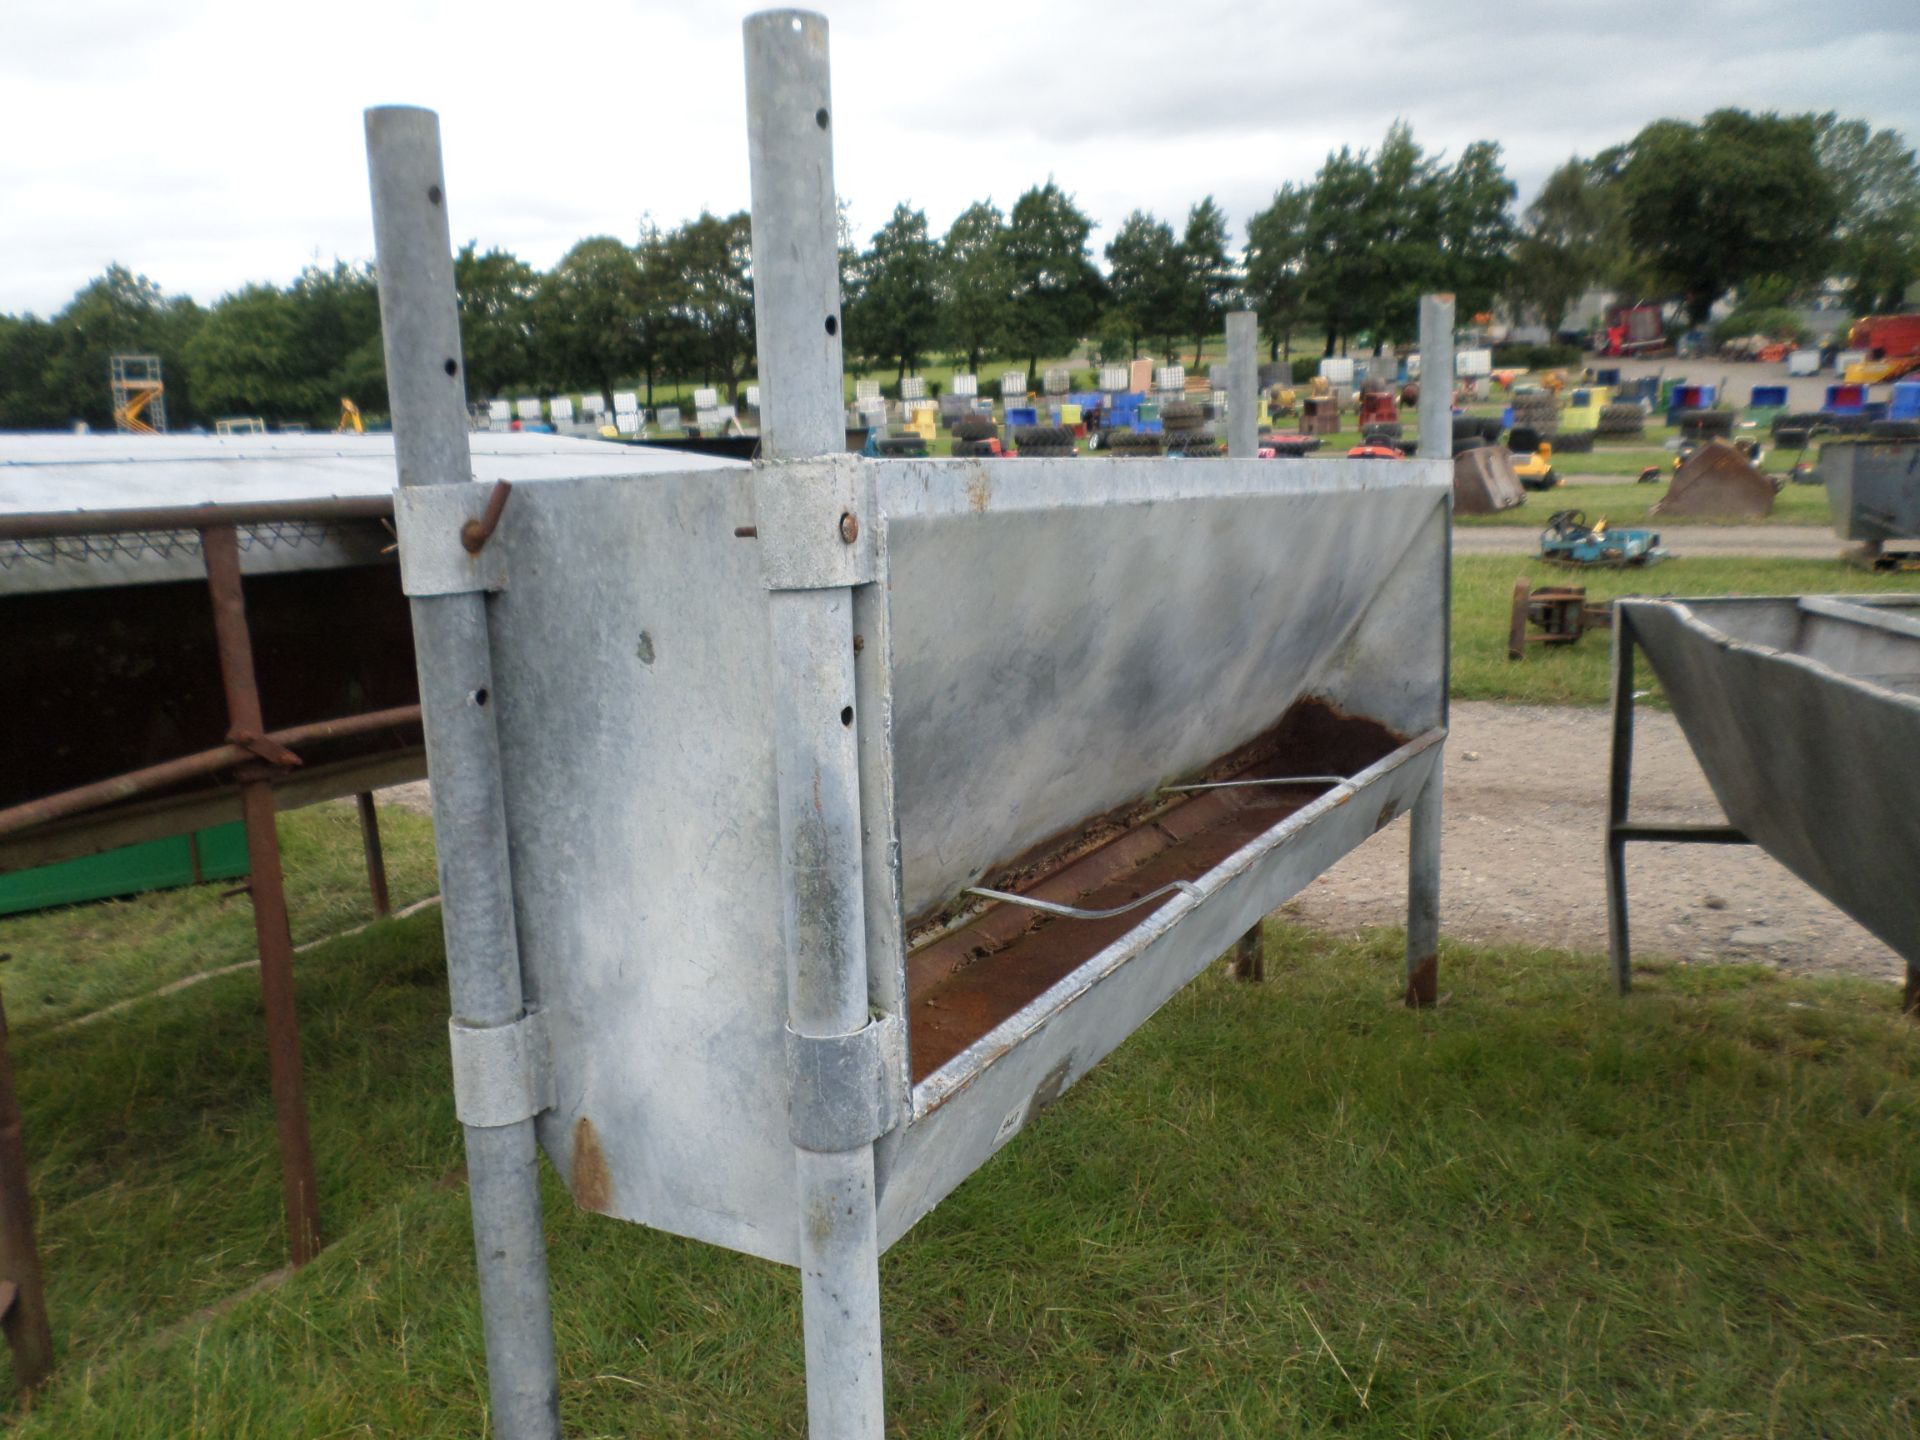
376	857
797	304
420	327
1250	956
1619	787
23	1296
267	886
1423	842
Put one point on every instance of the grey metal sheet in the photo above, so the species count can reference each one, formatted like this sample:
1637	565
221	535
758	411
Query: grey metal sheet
1807	727
633	681
44	472
1054	658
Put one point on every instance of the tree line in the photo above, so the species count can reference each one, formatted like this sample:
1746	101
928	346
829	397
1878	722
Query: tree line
1767	207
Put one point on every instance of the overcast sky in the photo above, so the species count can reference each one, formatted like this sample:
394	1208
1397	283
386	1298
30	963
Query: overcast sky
208	143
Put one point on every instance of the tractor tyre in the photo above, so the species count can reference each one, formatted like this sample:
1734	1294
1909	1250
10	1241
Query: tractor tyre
1895	429
1047	452
1389	431
1026	437
1176	414
973	427
1523	439
971	449
1574	442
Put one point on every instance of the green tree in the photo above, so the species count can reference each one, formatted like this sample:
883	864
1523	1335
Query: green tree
1206	277
710	260
1571	240
584	313
1276	266
247	358
119	313
496	291
1716	205
1143	280
338	345
974	279
1877	180
898	300
1056	292
1476	226
1373	238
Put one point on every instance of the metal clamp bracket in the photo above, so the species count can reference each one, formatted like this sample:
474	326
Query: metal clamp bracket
844	1090
501	1073
434	559
813	522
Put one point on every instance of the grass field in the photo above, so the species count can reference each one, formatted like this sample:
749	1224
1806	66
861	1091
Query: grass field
1577	674
1295	1208
1627	503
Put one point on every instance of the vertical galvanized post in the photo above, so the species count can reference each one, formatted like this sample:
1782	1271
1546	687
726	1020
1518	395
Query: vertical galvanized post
1243	442
1619	790
376	856
420	321
220	549
23	1295
1243	385
1423	858
797	305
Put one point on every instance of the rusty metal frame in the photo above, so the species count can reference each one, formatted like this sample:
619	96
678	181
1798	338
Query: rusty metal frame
257	761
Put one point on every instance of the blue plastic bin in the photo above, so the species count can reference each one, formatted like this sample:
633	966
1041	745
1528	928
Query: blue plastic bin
1023	415
1768	397
1905	404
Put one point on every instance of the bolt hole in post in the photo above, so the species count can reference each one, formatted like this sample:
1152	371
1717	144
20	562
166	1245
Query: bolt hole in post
833	325
479	697
453	367
433	194
820	118
846	715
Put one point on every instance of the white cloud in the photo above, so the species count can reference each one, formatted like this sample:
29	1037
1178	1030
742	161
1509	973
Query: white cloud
213	142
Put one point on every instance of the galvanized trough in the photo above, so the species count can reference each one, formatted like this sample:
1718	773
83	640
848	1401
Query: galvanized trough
1874	489
1804	712
808	830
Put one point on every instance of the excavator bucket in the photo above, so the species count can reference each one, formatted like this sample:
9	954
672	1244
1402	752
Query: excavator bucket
1718	481
1484	482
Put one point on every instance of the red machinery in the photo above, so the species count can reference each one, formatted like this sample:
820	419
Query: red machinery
1892	343
1635	330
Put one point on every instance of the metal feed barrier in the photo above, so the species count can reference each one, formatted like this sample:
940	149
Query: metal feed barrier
1804	712
807	830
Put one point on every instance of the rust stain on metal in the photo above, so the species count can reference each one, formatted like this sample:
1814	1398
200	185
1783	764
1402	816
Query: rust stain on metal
1423	983
591	1182
979	490
965	980
1387	812
849	527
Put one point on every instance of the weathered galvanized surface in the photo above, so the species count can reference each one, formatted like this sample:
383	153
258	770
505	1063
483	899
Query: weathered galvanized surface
1805	716
1024	615
1874	489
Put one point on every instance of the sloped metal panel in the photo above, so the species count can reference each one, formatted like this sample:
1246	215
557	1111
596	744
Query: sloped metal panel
1816	763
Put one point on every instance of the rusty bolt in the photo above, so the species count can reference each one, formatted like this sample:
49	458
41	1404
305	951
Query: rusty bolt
859	643
849	527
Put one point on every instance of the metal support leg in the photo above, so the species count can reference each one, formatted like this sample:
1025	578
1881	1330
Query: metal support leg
221	551
376	858
23	1296
1619	789
1423	849
421	329
797	303
1243	387
1423	895
1250	956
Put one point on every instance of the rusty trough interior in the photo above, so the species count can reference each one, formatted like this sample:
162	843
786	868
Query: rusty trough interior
963	981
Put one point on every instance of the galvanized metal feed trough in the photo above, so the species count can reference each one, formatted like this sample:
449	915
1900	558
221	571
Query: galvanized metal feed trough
1804	712
841	800
1874	489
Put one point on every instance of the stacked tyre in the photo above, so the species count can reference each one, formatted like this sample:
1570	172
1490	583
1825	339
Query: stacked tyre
973	427
1185	424
1894	429
901	447
973	449
1472	430
1574	442
1136	444
1623	419
1542	412
1705	424
1043	442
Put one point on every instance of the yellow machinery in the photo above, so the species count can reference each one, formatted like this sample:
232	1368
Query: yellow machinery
1536	471
349	419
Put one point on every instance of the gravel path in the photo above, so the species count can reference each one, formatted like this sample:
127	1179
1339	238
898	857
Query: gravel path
1521	851
1796	542
1522	855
